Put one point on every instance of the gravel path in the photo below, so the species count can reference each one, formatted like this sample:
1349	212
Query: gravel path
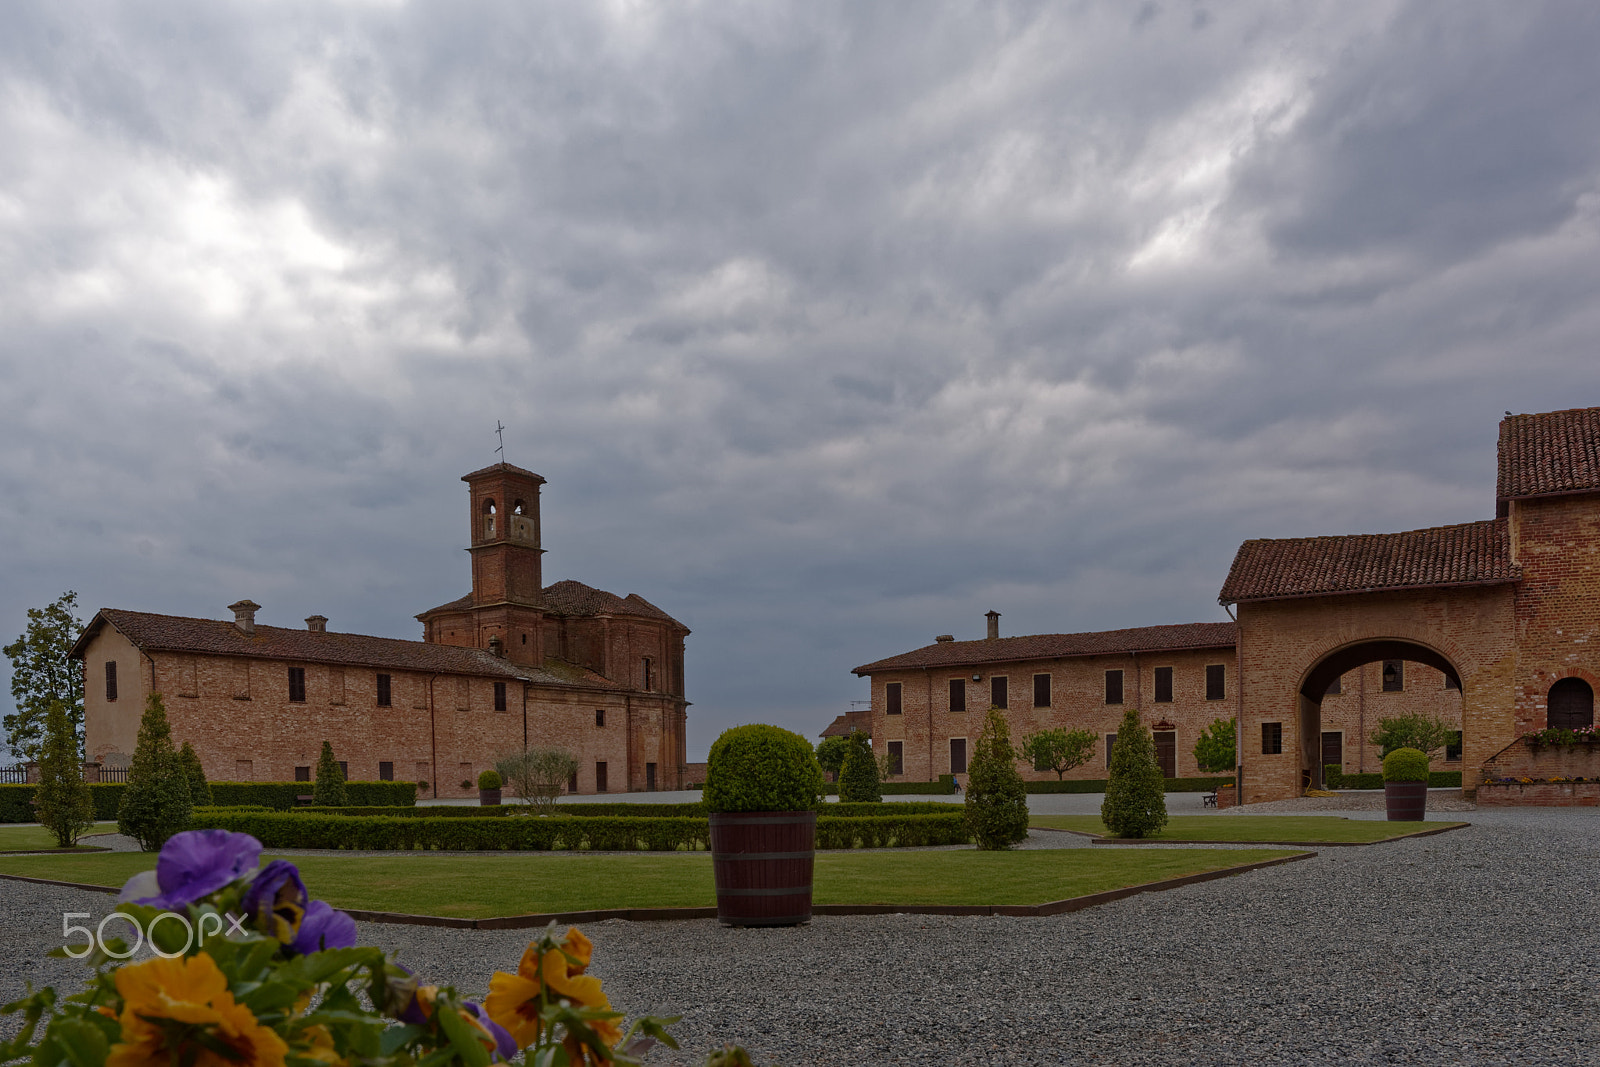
1477	946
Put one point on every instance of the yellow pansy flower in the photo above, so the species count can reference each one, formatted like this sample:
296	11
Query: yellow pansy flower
193	993
513	999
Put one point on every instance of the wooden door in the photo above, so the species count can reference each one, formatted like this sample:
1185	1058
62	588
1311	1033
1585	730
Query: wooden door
1571	704
1167	752
1333	748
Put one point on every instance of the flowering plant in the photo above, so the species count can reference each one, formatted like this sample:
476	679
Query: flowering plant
247	971
1556	735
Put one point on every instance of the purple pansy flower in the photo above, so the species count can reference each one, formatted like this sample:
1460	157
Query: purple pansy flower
193	865
505	1044
276	900
322	928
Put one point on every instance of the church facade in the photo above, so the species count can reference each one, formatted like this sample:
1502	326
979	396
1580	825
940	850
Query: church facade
513	664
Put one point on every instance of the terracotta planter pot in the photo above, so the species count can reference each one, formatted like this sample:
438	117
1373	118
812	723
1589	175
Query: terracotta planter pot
1406	801
488	797
763	861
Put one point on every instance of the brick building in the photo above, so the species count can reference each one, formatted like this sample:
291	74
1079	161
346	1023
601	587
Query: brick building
1489	625
512	664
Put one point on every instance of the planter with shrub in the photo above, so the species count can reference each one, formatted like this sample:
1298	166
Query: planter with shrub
763	784
1405	785
489	788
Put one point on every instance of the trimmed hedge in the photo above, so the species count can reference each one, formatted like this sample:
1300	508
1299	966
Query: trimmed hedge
1098	785
893	831
697	811
16	801
281	795
1436	780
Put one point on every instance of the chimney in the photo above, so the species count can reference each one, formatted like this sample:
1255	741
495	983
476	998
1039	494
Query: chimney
944	639
497	647
994	624
244	616
317	624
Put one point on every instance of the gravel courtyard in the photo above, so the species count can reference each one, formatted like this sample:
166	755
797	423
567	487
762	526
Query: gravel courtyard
1477	946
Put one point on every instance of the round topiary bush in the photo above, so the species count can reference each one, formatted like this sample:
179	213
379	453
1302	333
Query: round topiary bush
489	780
1405	765
762	768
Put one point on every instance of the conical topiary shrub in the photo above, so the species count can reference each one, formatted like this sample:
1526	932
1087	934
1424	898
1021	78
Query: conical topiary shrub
997	800
1136	792
199	788
858	777
329	787
66	808
155	804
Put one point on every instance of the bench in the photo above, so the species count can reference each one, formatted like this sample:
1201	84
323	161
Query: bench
306	798
1209	799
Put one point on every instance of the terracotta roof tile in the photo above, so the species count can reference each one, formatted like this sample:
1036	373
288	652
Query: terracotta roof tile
848	723
500	468
574	598
174	633
1173	637
1554	452
1473	553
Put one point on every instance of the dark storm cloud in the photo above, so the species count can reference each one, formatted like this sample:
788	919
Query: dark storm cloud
832	325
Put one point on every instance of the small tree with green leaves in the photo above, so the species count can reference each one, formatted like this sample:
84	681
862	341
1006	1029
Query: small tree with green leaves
329	790
1426	733
65	805
1057	750
199	788
858	779
1214	751
537	777
1135	804
997	800
41	672
155	803
831	753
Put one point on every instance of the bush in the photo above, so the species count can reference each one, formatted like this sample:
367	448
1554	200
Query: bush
831	752
762	768
329	786
281	795
858	778
1405	765
997	803
1332	774
199	788
489	780
1058	750
1135	803
155	804
1214	751
537	775
16	801
65	806
1427	734
1098	785
893	831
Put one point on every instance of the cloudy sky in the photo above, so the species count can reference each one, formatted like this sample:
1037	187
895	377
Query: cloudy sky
832	325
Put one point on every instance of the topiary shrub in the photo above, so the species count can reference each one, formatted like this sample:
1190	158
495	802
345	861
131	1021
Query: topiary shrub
66	807
199	788
489	780
997	800
858	777
1136	801
155	805
1405	765
762	768
328	790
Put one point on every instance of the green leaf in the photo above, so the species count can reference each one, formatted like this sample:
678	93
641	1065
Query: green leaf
81	1043
397	1037
550	1056
465	1038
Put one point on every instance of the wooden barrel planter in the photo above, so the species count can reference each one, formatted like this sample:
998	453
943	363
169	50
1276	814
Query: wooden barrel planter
763	863
1406	801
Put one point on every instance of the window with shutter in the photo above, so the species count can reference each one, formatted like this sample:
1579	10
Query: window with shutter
499	696
997	691
385	692
1111	740
1041	690
385	771
297	685
1271	738
111	679
897	757
600	777
958	755
1113	687
891	698
958	694
1216	682
1164	687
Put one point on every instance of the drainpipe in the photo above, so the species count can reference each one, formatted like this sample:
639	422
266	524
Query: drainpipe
433	736
927	676
1238	715
1361	717
524	716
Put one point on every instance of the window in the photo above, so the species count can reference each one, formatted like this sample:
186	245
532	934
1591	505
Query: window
344	770
1041	690
572	783
997	691
111	679
599	716
297	685
1394	676
1164	686
1113	687
958	755
499	696
891	699
600	777
897	757
650	777
1216	681
385	693
302	774
958	694
1271	738
385	771
1335	687
1111	741
649	680
1452	748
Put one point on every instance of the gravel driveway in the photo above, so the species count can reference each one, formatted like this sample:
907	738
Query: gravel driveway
1477	946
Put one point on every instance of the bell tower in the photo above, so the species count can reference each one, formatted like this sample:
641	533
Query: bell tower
504	512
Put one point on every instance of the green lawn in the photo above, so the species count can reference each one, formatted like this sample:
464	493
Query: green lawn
1255	829
520	883
15	837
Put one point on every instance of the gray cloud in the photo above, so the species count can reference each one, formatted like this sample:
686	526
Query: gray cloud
831	325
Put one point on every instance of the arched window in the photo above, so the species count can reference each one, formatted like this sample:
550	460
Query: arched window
488	516
518	508
1571	704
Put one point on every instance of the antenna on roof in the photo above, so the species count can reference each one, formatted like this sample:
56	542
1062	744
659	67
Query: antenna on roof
500	432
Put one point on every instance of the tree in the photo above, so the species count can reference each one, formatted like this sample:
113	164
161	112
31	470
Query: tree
1419	730
155	804
329	787
858	778
1214	751
997	801
538	775
41	673
199	788
1136	799
1057	750
66	808
831	753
